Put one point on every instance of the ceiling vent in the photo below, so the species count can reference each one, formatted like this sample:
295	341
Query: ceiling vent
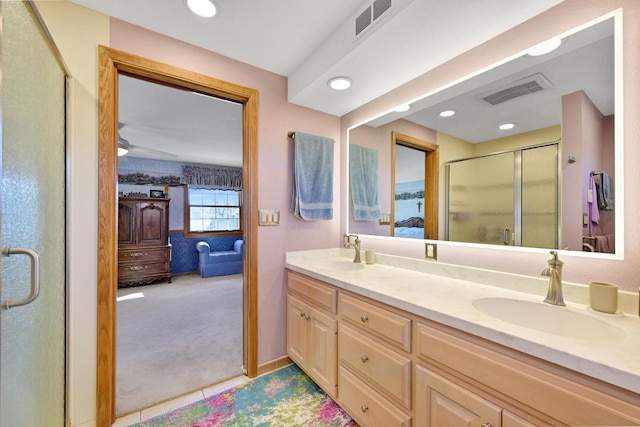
373	12
531	84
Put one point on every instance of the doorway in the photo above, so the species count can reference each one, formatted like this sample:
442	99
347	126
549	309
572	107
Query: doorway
112	64
179	175
414	187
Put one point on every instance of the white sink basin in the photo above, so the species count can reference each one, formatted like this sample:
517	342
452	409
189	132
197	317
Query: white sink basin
551	319
338	264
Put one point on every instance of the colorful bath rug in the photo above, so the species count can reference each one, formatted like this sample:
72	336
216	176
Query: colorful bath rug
283	398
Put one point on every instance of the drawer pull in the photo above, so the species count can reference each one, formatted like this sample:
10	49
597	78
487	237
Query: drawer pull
305	315
364	359
364	318
486	425
135	268
134	254
365	408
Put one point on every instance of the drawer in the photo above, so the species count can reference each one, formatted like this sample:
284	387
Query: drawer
387	369
366	406
142	254
315	291
391	326
140	269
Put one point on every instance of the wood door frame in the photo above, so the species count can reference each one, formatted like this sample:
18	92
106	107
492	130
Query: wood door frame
112	63
432	174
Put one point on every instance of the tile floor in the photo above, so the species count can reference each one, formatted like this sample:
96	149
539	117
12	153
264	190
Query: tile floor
179	402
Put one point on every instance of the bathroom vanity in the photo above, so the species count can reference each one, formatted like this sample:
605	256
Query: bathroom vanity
415	343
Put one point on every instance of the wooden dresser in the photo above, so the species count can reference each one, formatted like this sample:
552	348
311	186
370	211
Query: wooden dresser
144	252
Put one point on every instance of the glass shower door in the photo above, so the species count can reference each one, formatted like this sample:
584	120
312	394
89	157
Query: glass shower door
540	197
481	200
32	211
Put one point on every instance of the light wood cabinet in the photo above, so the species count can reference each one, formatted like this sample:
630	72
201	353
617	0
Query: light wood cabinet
312	336
440	402
394	368
144	253
366	405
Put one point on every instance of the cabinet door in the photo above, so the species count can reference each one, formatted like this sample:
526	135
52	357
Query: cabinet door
511	420
440	402
323	351
297	336
126	222
152	223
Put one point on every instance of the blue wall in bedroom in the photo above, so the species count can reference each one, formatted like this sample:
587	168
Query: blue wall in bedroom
184	255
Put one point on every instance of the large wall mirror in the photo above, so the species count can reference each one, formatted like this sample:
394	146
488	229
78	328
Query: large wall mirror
527	152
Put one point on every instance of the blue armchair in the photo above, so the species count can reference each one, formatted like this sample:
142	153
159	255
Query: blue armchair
219	263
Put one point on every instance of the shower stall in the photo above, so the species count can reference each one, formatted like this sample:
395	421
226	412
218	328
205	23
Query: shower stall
506	198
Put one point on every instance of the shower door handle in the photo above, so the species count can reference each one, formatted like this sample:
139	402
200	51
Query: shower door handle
35	275
506	236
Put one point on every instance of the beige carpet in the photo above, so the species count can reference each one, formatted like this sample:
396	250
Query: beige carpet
176	338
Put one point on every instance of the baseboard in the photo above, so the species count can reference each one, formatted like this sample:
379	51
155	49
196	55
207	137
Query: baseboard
184	273
273	365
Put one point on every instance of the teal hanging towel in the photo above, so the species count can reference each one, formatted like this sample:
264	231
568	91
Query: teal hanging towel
312	197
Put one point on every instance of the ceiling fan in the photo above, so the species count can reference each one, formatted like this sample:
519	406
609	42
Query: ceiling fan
126	148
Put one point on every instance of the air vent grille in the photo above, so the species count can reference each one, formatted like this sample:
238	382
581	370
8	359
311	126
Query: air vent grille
380	7
374	11
363	20
525	86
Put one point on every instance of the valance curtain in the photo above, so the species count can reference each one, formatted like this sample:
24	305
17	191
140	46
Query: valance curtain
214	177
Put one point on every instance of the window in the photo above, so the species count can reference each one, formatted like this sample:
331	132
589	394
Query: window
212	211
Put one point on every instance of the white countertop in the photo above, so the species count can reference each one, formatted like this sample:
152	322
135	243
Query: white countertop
445	293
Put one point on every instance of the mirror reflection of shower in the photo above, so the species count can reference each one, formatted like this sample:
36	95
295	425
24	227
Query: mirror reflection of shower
508	198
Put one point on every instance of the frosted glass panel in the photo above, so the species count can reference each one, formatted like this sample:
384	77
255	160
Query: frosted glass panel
481	194
540	197
32	358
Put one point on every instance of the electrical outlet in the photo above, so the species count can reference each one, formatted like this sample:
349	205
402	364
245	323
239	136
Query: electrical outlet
431	250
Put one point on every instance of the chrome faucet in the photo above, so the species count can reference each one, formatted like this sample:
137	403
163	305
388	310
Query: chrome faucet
554	271
355	245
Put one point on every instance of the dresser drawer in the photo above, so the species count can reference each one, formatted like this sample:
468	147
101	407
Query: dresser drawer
141	254
139	269
385	368
391	326
366	406
315	291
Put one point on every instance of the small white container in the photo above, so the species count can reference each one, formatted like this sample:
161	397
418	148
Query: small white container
603	297
370	256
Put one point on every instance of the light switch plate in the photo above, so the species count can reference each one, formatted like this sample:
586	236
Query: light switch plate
268	217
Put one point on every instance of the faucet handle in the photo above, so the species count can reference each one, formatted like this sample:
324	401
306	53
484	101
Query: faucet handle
555	261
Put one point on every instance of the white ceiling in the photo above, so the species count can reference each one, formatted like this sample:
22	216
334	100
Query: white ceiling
584	61
307	41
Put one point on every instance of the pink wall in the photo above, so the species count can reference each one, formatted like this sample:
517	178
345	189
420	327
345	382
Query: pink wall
586	137
579	267
276	117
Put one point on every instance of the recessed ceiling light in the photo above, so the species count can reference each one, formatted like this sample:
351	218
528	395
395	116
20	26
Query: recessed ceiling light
544	48
204	8
339	83
402	108
506	126
447	113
